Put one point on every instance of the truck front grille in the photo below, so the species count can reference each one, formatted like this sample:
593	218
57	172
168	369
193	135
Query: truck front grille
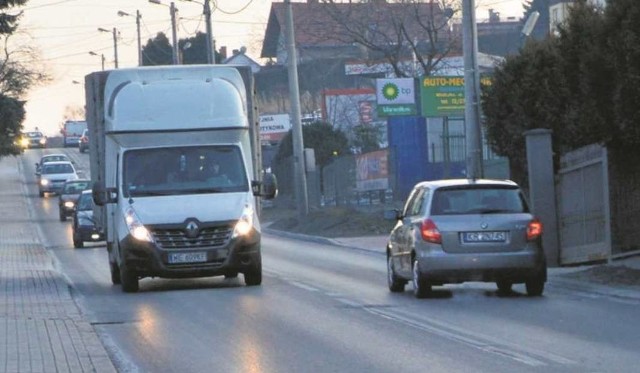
207	238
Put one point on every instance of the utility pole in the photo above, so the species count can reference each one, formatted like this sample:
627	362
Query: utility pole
211	49
300	178
101	57
138	16
472	117
115	44
174	33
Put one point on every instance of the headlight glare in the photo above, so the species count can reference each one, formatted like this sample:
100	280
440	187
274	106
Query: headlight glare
44	182
69	204
135	226
245	223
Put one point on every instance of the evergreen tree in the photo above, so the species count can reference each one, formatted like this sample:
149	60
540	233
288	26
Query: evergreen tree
157	51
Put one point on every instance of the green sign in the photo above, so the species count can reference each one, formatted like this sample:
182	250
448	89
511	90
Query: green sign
443	96
392	110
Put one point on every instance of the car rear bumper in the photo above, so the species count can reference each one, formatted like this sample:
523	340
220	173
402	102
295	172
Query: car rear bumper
441	267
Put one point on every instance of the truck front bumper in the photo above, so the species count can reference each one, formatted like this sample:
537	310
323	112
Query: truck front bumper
148	260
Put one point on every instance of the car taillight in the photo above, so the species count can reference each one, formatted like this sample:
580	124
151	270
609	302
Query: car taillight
534	229
430	232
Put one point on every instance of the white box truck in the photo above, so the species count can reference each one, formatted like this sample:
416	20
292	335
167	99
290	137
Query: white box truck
175	165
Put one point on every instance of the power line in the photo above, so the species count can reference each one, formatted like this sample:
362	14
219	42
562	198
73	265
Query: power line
233	12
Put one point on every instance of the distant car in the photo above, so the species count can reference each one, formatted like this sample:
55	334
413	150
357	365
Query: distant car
84	227
83	143
50	158
33	139
68	196
452	231
53	175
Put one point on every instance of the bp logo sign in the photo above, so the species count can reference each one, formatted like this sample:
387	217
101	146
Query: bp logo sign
395	97
390	91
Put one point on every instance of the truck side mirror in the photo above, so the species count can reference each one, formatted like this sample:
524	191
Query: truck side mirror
102	195
267	189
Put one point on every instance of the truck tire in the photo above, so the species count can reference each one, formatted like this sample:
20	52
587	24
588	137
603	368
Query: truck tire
253	277
115	273
129	279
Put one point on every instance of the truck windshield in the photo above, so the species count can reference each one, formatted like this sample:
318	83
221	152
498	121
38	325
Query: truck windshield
184	170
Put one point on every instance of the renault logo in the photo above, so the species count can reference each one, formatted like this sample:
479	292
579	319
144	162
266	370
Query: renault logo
192	229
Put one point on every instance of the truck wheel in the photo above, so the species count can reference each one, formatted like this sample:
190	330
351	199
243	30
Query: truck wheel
129	279
115	273
254	276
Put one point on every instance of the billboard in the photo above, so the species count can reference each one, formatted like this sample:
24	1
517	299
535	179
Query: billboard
372	172
274	127
443	96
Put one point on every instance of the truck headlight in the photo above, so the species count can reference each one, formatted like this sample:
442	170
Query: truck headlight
245	223
135	226
44	182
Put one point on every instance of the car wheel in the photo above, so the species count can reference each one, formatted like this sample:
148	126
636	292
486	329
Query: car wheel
253	277
504	287
77	242
396	285
41	193
421	287
63	217
129	279
535	285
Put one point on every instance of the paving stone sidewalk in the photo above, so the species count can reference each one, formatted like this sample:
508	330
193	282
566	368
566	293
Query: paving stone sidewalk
41	327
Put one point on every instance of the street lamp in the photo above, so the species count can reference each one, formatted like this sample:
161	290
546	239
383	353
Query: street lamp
101	57
138	16
174	31
115	43
211	46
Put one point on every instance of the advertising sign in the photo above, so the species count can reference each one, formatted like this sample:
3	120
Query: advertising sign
372	171
395	97
443	96
274	127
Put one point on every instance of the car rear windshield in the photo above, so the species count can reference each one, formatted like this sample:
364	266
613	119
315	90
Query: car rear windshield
75	187
57	169
478	199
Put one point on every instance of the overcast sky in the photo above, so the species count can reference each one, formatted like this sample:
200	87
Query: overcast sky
65	31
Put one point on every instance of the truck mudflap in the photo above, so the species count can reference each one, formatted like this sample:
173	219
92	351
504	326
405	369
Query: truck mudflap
147	260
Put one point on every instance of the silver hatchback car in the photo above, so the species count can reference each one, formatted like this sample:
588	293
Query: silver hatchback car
452	231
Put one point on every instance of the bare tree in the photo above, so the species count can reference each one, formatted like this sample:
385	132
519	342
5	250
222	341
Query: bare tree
411	36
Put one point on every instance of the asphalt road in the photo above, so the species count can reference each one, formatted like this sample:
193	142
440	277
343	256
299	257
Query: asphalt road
327	309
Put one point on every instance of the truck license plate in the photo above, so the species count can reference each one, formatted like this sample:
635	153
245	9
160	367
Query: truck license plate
176	258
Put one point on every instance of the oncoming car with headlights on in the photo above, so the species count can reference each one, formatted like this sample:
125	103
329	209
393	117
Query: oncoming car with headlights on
53	175
84	226
452	231
69	196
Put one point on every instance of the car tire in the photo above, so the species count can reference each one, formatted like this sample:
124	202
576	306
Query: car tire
41	193
535	284
396	284
253	277
421	287
77	242
63	216
504	287
129	279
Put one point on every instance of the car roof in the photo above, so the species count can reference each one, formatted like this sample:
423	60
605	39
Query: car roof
78	181
54	155
435	184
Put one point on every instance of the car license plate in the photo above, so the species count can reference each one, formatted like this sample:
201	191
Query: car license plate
178	258
484	236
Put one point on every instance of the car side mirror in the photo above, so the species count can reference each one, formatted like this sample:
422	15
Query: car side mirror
268	188
394	214
103	195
